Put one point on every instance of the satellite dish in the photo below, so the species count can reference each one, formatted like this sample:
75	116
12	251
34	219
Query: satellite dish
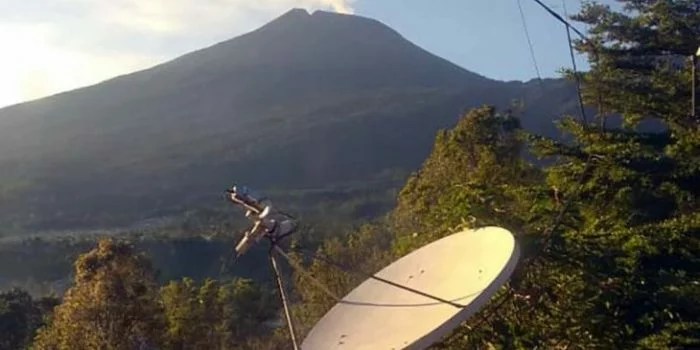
465	268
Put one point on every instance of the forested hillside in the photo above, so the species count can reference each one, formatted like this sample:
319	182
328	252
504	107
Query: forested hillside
319	102
609	226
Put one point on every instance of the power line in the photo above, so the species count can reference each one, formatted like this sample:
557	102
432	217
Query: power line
547	234
582	109
549	231
529	43
573	65
560	19
594	50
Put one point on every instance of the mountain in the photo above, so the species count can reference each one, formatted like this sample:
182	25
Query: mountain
318	100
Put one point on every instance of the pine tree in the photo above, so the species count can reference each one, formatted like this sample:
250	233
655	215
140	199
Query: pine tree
636	220
620	271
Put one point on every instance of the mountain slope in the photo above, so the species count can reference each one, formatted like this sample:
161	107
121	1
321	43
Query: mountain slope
305	101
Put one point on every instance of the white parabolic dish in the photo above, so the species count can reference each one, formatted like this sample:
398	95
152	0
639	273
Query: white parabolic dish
466	268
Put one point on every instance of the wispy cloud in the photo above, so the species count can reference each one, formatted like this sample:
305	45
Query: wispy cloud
55	45
180	15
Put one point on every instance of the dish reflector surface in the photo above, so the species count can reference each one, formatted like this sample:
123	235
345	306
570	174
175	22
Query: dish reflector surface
466	268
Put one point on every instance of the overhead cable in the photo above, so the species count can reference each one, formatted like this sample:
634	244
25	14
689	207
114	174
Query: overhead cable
529	43
549	231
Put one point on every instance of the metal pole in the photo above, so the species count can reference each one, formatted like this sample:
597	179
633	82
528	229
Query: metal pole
283	296
694	60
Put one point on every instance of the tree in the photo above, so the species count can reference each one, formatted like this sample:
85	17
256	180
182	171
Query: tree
20	317
474	176
631	237
638	207
618	272
112	305
214	315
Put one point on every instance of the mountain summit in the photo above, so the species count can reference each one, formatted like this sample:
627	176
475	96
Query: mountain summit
323	51
308	100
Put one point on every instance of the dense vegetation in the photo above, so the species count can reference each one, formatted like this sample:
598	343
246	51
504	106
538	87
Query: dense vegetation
619	269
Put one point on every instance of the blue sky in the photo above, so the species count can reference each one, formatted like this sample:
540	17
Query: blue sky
58	45
482	36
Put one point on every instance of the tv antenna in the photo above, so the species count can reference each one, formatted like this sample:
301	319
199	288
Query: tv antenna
269	223
411	303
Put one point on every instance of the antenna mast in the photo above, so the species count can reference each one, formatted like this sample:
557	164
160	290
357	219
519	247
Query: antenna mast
274	225
694	65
